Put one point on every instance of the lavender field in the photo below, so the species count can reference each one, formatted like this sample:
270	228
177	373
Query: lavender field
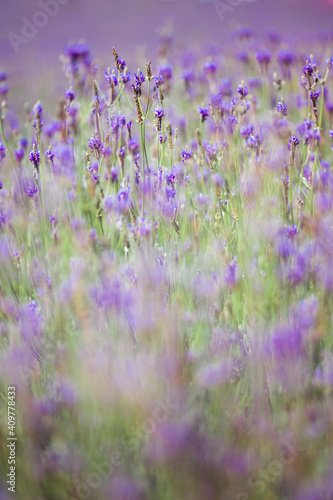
166	266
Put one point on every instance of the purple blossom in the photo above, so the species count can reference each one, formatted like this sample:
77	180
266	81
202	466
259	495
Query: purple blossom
243	90
31	190
139	78
246	130
134	148
307	69
282	108
293	142
114	174
186	155
50	155
70	95
243	56
204	112
285	57
159	112
2	151
264	57
34	157
230	273
4	89
3	76
125	77
23	142
188	76
77	51
225	87
210	68
165	72
314	95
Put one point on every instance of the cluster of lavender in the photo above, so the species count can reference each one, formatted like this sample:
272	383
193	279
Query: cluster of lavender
166	277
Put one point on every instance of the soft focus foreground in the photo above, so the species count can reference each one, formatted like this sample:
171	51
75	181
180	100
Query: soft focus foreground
166	273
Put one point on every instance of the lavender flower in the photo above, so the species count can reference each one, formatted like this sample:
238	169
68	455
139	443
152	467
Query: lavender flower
2	151
314	95
125	77
264	58
23	142
19	154
282	108
186	155
77	51
34	157
242	90
293	142
210	68
286	59
308	69
31	190
165	72
204	112
70	96
4	89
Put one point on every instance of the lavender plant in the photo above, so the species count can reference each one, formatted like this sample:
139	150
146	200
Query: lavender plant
166	278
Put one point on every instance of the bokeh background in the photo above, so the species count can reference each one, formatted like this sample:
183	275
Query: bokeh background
134	27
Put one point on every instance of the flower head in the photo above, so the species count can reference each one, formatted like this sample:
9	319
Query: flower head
264	57
77	51
314	95
186	155
307	69
31	190
293	142
282	108
34	157
165	72
23	142
19	154
125	77
4	89
242	90
204	112
70	95
285	57
210	67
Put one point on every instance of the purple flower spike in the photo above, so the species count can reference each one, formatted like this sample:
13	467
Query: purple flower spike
2	151
210	68
19	154
31	190
204	112
243	90
264	57
70	95
293	141
159	113
76	51
308	69
282	108
34	157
